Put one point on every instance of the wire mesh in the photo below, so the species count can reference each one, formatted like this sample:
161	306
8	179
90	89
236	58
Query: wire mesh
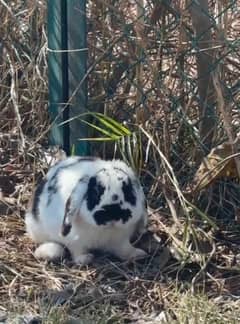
153	56
160	64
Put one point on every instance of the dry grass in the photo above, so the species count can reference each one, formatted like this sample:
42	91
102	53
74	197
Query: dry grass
110	291
143	71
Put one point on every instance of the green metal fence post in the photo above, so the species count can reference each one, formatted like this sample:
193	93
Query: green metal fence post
57	77
67	59
77	64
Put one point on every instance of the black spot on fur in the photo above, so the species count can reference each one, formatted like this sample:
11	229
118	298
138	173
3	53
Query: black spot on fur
67	206
66	226
52	185
145	203
94	192
36	198
128	192
114	197
113	212
52	189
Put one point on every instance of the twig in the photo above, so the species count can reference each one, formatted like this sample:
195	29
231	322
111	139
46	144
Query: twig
170	200
13	94
226	119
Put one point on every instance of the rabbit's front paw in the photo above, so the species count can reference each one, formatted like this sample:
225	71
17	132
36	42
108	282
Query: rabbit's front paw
83	259
129	252
138	254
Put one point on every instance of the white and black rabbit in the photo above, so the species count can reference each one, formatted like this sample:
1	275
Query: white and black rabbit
86	203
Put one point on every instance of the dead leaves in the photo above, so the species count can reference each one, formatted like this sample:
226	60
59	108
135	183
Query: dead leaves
219	163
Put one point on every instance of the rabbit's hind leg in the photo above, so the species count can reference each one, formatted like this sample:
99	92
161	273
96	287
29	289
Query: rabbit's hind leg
50	251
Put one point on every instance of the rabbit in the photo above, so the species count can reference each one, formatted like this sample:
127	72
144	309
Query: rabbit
86	203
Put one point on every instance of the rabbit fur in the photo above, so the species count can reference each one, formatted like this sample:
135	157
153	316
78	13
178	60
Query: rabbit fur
86	203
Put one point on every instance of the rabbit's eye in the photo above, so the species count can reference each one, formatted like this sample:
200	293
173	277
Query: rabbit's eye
94	192
128	192
114	197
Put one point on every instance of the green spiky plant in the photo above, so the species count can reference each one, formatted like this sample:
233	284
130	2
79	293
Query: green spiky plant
127	142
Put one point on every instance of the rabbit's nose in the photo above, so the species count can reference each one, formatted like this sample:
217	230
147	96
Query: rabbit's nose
114	197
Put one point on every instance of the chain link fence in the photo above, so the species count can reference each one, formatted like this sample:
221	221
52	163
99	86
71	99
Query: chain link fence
172	67
158	59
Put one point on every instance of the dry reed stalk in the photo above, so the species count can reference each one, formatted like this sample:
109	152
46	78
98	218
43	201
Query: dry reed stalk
227	120
139	54
202	24
13	93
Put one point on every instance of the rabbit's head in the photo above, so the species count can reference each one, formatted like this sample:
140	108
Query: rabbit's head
112	197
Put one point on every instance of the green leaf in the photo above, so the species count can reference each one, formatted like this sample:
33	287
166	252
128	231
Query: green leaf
109	126
97	139
110	123
102	130
122	129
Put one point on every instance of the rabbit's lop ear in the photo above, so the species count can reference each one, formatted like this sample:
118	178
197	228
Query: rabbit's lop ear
89	189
